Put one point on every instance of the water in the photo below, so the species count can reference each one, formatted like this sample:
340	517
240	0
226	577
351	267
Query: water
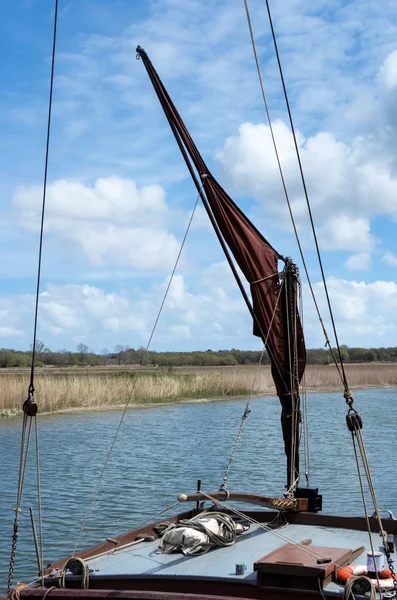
162	451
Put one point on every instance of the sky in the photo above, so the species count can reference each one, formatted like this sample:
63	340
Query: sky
119	196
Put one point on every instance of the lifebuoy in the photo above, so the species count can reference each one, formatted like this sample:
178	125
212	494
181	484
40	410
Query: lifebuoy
385	579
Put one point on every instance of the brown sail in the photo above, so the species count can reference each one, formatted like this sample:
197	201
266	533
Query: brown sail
274	295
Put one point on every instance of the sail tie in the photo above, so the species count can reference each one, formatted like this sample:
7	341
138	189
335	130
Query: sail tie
264	278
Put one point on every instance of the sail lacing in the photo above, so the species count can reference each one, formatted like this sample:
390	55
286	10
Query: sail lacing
30	406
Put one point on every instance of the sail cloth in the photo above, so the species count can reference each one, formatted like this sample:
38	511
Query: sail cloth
274	298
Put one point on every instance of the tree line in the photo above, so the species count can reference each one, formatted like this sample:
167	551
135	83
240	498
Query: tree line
125	356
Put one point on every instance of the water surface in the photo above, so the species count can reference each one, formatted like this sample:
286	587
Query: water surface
163	450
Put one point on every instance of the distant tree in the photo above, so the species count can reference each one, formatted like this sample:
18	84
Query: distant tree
39	347
83	350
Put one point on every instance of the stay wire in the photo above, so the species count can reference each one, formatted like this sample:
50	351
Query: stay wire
328	343
247	407
41	546
343	372
47	151
354	438
129	397
24	452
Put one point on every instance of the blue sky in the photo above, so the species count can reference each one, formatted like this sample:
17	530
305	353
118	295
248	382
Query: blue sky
119	196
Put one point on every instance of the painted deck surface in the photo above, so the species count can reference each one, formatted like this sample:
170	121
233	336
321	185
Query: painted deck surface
144	558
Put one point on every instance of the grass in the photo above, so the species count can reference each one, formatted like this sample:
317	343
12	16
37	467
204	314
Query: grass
106	387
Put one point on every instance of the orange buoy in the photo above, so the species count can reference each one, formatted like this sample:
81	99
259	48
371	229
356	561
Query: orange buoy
385	579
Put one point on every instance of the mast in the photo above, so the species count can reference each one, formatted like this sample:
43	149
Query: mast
274	295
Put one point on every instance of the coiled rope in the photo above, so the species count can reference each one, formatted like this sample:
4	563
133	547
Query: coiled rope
72	563
354	581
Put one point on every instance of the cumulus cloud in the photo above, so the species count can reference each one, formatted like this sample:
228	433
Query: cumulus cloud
346	186
71	313
215	318
361	261
114	221
390	258
388	71
364	312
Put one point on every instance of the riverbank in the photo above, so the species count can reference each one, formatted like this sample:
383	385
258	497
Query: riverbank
105	388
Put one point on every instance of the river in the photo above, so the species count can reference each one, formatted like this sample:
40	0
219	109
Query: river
163	450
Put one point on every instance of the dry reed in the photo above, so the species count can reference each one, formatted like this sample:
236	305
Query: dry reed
91	388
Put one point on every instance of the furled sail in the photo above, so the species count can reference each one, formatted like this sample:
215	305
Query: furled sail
274	294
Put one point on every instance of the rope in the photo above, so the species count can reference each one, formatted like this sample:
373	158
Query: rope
350	583
305	419
342	369
327	341
24	452
365	507
132	388
41	546
15	593
228	467
340	366
247	407
358	439
30	407
284	538
74	561
31	385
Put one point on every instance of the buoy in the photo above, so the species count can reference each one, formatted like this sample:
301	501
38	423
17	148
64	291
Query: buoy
385	579
181	497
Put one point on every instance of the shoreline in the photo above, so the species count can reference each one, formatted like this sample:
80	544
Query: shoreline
14	412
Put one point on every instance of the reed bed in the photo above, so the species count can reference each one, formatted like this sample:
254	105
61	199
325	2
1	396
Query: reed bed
89	388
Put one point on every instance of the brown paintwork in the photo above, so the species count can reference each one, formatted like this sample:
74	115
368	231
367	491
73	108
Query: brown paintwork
288	504
141	594
292	566
302	518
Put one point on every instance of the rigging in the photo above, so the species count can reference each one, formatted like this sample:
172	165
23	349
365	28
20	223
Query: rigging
30	406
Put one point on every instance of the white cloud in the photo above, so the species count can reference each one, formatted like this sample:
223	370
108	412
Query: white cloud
364	312
345	232
390	258
359	262
215	318
346	185
71	313
113	221
388	72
